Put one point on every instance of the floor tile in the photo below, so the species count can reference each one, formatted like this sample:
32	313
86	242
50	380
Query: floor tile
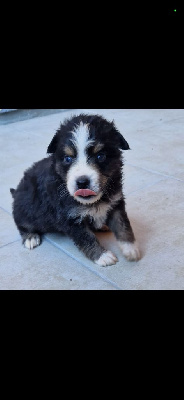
8	232
156	217
45	268
138	178
156	214
159	148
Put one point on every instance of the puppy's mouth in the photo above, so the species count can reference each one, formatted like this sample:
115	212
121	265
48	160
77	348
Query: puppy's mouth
85	193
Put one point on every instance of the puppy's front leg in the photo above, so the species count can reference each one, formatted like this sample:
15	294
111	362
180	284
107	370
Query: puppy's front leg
119	223
87	242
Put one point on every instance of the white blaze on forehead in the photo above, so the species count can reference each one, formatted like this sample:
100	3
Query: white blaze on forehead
80	166
81	139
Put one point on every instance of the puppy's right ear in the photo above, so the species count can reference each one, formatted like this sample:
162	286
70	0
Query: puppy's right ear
53	144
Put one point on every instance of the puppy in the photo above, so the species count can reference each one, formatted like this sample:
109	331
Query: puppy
77	189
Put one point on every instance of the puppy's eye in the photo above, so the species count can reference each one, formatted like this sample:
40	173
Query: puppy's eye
101	157
68	159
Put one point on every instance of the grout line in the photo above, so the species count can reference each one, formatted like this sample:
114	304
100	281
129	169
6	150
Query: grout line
83	264
156	172
6	211
145	187
7	244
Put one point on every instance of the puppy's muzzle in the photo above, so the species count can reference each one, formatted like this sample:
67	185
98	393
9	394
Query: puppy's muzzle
83	187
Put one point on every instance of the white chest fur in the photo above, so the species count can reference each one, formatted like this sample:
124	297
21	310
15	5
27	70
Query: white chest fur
96	214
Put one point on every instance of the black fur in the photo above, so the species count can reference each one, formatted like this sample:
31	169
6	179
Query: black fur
42	202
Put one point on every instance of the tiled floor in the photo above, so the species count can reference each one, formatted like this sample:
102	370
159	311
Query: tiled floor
154	187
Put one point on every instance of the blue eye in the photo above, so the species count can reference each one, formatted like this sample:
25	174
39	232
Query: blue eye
68	159
101	157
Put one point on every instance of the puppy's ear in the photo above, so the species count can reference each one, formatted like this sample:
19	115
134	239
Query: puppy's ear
123	143
53	144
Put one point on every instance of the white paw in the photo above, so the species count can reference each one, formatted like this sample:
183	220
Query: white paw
32	242
107	258
130	251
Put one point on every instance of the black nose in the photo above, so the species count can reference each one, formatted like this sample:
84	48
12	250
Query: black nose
83	182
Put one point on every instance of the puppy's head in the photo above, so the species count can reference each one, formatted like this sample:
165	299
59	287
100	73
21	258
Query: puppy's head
87	150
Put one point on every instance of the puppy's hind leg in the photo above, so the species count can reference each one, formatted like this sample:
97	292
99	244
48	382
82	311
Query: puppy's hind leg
30	240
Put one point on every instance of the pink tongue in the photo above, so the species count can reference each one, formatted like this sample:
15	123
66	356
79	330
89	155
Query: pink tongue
84	193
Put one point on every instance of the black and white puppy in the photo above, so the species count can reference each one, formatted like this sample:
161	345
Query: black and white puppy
77	190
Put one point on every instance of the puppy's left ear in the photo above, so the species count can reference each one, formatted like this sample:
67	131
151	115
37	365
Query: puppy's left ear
123	143
53	144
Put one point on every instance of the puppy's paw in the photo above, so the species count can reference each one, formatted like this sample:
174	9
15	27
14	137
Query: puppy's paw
130	251
32	241
107	258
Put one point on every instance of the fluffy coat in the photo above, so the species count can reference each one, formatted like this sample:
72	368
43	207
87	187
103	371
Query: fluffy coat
77	189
